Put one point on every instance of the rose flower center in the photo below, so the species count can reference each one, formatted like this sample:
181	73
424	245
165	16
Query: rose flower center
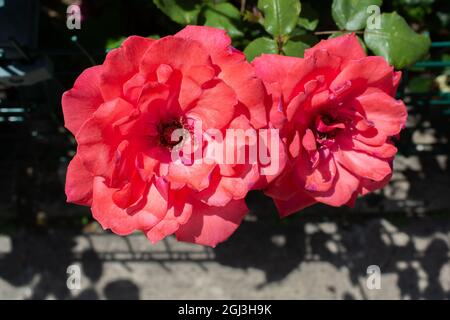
166	130
326	127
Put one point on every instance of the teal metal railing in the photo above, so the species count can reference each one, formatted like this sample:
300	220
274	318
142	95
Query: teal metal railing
433	97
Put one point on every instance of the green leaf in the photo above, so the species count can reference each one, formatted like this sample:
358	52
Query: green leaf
280	16
309	19
224	16
181	11
417	10
396	41
260	46
295	48
352	15
421	85
114	43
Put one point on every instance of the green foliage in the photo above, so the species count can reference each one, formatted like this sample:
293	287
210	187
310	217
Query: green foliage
280	16
260	46
309	18
180	11
415	9
396	41
295	48
290	26
114	43
352	15
224	16
421	84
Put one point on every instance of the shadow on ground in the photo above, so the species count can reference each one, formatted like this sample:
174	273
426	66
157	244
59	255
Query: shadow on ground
416	250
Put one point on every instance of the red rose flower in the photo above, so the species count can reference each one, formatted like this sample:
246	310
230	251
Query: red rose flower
337	116
123	114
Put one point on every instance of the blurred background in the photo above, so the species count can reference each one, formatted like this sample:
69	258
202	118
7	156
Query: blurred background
320	253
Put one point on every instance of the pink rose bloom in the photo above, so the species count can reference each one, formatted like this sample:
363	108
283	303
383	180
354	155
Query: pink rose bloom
123	114
337	116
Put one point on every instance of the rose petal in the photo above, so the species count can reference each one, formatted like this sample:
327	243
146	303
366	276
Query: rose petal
212	225
294	204
125	221
80	102
121	64
79	183
346	47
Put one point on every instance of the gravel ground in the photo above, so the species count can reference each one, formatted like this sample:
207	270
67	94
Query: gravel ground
297	259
